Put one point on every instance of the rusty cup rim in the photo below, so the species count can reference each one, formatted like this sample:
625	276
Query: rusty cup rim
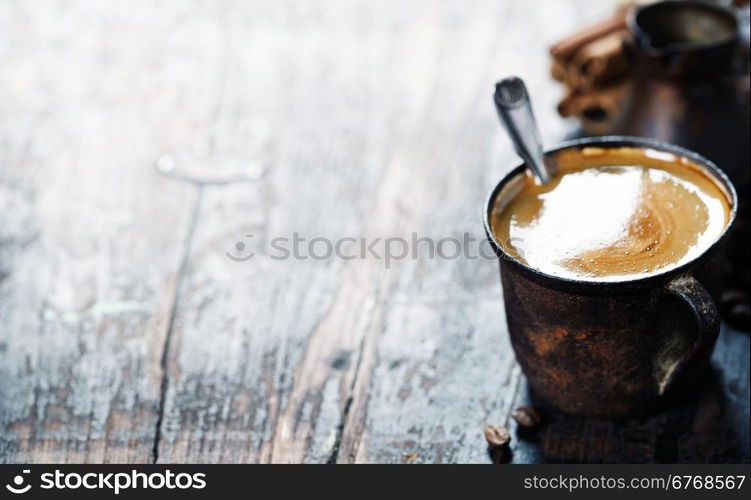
612	141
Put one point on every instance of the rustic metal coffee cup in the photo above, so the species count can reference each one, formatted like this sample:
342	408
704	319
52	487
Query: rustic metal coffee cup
612	348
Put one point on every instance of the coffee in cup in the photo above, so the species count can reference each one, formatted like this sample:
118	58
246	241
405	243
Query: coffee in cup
612	214
611	271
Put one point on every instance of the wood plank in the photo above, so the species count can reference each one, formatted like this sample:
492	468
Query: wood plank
263	348
92	239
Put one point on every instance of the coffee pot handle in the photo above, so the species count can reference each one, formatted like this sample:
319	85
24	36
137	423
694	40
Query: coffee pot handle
695	296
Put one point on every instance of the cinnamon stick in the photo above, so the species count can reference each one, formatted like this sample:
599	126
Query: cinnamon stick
598	62
567	47
558	70
601	105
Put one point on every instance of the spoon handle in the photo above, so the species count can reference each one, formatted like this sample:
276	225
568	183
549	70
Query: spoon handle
515	111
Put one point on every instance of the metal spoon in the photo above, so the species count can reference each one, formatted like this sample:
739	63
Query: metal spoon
515	111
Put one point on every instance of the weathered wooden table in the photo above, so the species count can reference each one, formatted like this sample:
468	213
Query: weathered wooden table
127	333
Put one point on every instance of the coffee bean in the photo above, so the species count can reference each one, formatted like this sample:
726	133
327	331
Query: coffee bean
497	436
527	417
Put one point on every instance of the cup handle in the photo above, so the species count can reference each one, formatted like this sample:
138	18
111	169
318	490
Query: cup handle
695	296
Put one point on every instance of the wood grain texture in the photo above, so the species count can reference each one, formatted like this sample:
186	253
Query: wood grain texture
134	329
383	127
91	237
443	343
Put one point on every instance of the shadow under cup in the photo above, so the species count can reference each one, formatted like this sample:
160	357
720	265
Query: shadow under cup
612	348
